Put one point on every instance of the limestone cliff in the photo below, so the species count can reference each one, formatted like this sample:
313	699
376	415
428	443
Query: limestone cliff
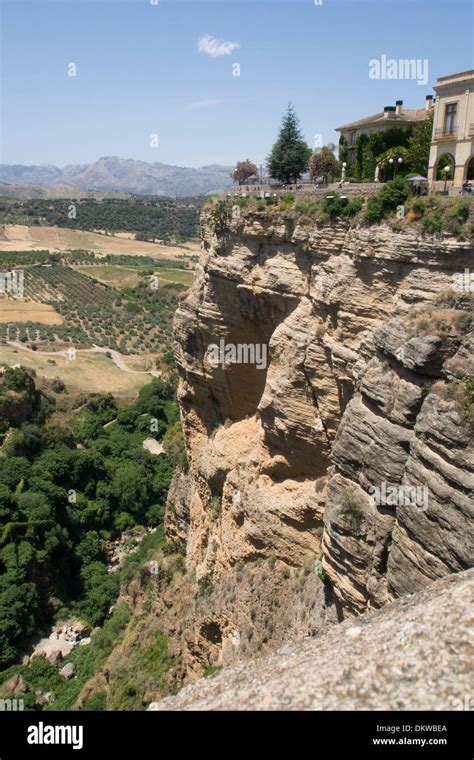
414	654
365	345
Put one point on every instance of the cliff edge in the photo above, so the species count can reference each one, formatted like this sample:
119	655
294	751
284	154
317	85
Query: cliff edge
414	654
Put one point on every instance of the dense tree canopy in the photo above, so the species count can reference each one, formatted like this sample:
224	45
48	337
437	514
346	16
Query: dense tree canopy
290	154
60	503
149	217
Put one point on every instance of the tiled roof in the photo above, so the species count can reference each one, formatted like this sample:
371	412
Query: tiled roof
406	115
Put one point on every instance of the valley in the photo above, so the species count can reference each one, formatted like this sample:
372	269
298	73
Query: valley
243	494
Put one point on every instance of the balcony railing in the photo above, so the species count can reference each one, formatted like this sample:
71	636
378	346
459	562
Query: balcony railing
446	133
471	130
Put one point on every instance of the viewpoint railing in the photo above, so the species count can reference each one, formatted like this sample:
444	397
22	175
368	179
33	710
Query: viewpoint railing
306	189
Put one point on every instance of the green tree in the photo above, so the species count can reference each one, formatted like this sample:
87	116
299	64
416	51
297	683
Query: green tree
290	154
419	146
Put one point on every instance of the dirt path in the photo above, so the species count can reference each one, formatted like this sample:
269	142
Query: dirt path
116	356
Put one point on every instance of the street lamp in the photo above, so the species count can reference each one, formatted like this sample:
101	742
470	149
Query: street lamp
447	170
396	163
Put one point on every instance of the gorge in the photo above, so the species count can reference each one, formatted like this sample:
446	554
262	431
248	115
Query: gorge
369	350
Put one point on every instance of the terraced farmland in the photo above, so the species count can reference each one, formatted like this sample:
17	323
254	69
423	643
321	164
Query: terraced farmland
136	320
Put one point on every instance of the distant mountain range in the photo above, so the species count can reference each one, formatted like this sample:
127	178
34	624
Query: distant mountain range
121	175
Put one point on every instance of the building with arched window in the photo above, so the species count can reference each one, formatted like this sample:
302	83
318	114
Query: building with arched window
452	142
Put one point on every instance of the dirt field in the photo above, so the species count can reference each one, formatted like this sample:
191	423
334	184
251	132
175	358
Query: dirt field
29	311
183	276
123	277
117	276
18	237
89	373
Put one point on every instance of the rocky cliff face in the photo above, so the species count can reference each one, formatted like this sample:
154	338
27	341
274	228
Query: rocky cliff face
366	351
412	655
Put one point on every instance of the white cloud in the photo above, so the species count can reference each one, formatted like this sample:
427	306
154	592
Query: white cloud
197	105
215	48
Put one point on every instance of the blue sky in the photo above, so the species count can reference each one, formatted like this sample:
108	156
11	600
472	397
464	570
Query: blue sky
139	72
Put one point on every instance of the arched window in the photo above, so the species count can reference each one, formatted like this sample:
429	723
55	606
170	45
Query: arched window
470	169
445	167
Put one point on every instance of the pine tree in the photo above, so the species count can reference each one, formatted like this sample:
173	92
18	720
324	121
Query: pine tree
290	155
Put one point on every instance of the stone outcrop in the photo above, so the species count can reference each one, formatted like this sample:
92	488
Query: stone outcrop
401	431
414	654
282	458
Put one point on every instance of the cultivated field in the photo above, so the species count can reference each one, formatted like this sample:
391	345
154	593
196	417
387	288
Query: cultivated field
18	237
88	373
181	276
29	311
128	277
117	276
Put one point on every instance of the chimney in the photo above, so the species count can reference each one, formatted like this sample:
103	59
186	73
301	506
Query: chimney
388	111
428	102
398	107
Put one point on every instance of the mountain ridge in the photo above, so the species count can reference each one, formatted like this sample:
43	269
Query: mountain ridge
115	174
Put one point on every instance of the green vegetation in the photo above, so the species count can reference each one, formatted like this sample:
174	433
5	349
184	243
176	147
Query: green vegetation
151	218
142	669
41	676
393	194
462	393
369	150
436	214
352	508
412	145
290	155
67	487
221	215
336	205
419	146
438	217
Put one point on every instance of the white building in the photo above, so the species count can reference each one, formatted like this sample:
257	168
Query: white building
453	132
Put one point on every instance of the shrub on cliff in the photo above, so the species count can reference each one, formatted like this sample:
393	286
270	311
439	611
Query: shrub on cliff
338	205
393	194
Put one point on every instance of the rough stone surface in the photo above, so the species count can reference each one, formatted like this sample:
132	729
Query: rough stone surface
347	400
401	429
415	654
68	671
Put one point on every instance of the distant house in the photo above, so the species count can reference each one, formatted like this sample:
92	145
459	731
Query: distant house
392	117
453	131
